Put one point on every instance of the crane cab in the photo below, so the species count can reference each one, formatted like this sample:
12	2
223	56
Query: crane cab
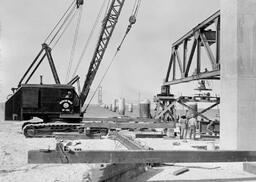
48	102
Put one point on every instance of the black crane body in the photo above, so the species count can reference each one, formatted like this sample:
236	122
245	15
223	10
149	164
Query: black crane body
58	102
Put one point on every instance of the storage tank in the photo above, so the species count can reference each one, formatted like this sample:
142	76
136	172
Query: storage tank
121	106
145	109
114	105
130	107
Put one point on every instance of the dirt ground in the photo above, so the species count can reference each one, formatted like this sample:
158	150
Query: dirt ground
13	159
14	147
14	168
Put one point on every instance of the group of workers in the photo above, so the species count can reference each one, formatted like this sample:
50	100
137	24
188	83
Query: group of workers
187	125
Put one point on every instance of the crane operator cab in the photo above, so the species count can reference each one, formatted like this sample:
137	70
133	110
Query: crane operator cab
47	102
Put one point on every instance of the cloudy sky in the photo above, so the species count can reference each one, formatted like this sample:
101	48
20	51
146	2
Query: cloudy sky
141	64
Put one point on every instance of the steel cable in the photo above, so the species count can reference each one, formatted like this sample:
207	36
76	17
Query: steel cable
64	30
72	53
63	23
59	21
89	39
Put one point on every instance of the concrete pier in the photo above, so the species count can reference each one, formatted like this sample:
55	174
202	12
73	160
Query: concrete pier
238	75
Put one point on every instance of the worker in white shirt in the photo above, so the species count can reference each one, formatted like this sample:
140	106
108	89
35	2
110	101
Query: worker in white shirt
192	127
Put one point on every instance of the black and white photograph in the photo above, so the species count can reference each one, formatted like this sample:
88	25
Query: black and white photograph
127	90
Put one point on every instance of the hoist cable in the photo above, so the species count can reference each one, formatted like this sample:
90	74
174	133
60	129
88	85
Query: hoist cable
105	14
64	30
72	53
136	8
59	21
63	23
89	39
132	21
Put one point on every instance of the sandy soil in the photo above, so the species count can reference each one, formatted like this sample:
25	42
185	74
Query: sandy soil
13	159
14	168
14	147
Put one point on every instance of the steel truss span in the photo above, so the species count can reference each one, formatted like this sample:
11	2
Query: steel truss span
204	35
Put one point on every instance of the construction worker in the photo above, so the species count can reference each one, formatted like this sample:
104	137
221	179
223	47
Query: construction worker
211	127
183	126
192	127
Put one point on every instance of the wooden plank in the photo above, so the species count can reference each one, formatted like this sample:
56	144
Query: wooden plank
139	156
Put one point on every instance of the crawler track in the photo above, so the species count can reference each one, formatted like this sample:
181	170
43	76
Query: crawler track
43	130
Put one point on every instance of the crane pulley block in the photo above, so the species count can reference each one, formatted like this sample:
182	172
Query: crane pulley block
79	3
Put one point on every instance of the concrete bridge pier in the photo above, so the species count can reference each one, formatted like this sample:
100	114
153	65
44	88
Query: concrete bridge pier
238	75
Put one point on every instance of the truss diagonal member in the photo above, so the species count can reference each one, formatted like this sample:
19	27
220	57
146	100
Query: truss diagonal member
190	57
208	108
179	61
208	50
165	110
169	68
190	108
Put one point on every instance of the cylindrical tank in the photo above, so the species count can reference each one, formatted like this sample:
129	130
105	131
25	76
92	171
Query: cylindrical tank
130	107
121	106
114	105
145	109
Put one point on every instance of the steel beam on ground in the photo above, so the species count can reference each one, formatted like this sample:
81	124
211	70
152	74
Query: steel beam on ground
128	125
128	142
138	156
115	119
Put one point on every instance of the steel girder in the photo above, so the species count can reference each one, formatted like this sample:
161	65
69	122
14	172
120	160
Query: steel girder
201	36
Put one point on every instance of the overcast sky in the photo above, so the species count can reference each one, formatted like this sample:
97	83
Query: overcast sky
139	68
